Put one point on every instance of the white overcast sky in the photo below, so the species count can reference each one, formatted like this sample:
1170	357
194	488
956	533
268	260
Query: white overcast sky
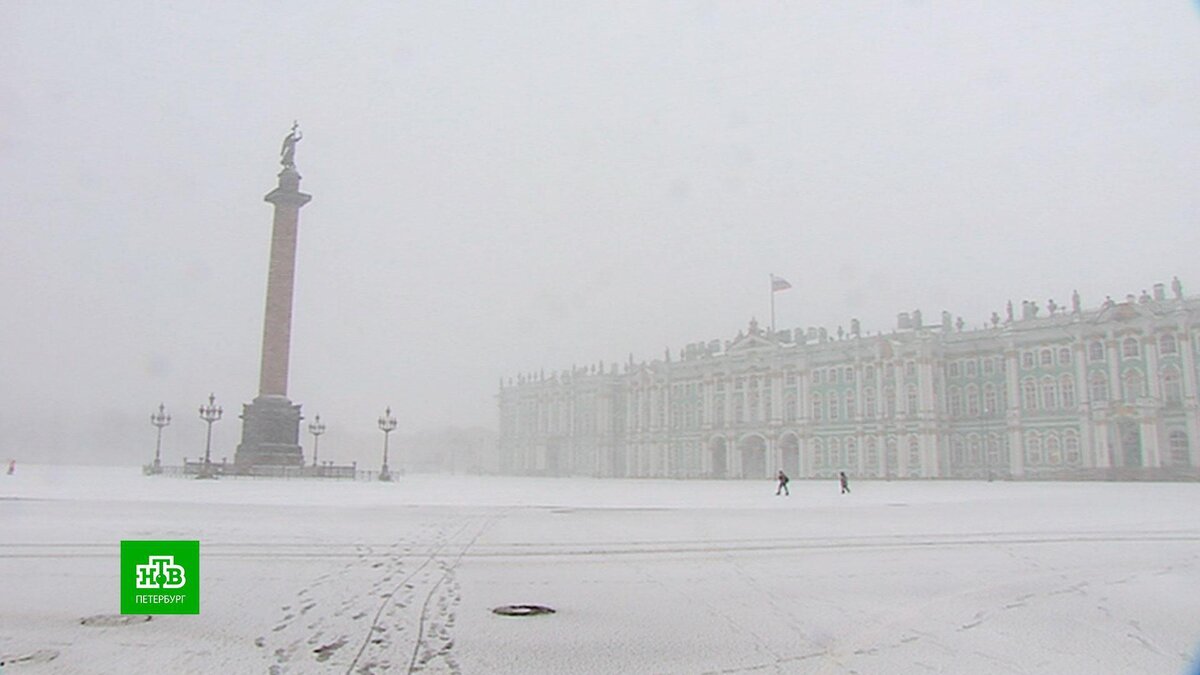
505	187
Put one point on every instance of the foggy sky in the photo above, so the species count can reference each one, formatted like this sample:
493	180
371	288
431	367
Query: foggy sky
500	188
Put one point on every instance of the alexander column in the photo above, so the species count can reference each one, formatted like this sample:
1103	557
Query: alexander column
271	423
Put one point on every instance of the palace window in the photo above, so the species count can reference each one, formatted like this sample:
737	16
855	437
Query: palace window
989	366
972	368
1027	360
955	402
1133	386
889	402
1096	351
1029	394
910	370
869	402
972	401
1071	444
1099	387
1166	344
851	408
974	454
1047	357
1033	448
1049	394
817	405
849	374
1064	356
870	373
1172	390
789	408
834	406
816	376
1068	391
1180	455
953	370
911	400
851	455
1053	450
990	407
1129	348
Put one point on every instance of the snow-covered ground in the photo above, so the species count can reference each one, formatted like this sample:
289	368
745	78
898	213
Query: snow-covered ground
646	576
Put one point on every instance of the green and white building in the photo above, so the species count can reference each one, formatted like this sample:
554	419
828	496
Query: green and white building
1072	393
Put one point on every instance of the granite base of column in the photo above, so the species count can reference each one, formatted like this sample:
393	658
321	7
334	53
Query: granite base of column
270	434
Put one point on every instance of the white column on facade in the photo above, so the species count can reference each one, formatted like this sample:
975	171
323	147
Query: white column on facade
929	416
1150	349
1187	360
1116	394
1115	386
735	456
1083	397
1149	427
1016	444
1152	427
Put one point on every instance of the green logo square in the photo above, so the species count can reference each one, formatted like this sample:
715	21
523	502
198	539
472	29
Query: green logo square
160	577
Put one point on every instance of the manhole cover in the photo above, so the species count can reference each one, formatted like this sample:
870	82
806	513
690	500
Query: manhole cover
522	610
109	620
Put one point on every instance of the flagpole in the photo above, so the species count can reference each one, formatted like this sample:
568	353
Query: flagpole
772	285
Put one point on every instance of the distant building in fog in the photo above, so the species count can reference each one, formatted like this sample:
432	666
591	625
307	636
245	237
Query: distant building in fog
1065	393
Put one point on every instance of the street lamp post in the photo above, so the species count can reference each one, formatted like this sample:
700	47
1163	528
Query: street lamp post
159	419
387	424
209	413
316	428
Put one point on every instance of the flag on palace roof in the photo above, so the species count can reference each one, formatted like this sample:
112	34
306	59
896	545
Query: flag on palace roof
779	284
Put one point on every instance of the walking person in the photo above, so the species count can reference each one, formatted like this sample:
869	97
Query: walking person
844	481
783	481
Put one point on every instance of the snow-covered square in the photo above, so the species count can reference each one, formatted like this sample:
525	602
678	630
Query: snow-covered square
644	576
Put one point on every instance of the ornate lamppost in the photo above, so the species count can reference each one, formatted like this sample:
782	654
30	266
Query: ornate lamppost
316	428
209	413
387	424
159	419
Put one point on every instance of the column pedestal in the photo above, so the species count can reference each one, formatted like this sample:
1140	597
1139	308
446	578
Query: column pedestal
270	433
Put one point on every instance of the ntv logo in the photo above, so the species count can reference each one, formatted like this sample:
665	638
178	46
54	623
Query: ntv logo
160	572
160	577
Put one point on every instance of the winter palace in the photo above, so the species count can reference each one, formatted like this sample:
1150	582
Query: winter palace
1054	392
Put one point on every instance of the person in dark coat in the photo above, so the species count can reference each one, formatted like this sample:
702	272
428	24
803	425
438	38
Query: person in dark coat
783	481
845	482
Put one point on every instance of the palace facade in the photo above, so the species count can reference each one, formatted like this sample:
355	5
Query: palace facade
1069	393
